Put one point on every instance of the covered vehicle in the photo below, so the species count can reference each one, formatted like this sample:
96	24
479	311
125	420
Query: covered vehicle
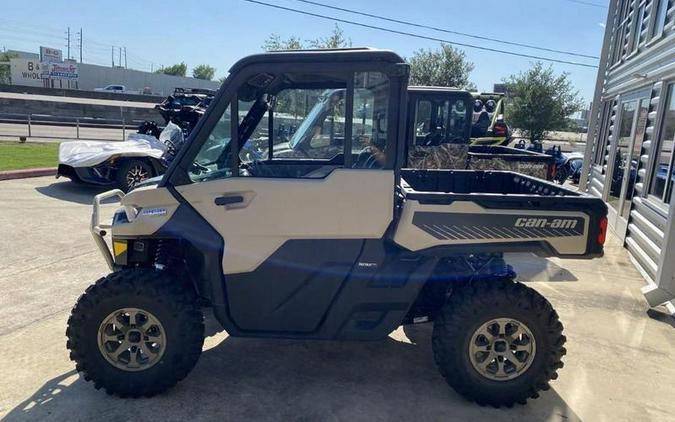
119	164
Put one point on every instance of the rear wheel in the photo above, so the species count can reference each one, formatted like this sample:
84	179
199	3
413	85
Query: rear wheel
135	333
133	172
498	342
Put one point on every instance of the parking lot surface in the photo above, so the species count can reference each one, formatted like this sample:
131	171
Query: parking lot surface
619	365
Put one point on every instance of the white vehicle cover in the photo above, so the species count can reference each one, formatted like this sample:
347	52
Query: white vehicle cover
91	153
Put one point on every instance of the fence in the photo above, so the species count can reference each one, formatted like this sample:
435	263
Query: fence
62	127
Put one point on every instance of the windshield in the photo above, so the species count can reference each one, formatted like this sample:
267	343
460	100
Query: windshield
316	116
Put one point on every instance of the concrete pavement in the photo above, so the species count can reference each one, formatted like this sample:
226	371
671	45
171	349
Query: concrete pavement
619	364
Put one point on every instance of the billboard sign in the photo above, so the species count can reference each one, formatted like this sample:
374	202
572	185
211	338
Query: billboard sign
48	55
26	72
61	70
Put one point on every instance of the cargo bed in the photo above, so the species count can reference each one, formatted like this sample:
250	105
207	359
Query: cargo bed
468	211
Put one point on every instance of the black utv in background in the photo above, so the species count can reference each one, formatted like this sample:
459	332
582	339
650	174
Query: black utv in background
185	107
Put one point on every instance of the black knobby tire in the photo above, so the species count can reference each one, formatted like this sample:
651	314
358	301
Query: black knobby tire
477	303
128	170
172	303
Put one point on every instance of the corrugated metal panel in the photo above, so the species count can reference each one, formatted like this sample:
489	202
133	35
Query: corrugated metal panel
653	57
640	205
597	179
647	264
650	248
644	237
648	228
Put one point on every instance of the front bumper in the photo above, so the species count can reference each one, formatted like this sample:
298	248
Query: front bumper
98	230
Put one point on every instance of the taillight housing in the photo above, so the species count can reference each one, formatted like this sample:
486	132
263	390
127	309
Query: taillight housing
500	129
602	236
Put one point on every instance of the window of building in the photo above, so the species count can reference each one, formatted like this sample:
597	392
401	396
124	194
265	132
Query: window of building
603	133
660	13
622	29
637	18
662	175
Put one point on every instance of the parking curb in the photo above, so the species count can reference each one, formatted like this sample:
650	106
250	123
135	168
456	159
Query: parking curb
23	174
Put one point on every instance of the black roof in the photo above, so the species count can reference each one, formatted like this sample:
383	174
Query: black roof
359	54
435	89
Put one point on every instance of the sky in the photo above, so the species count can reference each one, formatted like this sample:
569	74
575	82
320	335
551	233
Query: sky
220	32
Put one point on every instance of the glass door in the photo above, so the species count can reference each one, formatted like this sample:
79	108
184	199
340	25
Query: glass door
626	160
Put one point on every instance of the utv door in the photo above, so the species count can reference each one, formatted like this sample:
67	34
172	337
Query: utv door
292	228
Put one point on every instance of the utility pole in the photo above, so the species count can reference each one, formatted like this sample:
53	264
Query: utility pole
125	57
119	62
68	45
79	40
112	55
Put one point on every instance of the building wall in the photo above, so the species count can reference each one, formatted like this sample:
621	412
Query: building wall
640	64
94	76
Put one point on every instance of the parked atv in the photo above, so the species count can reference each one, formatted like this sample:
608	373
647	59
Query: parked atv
342	243
185	107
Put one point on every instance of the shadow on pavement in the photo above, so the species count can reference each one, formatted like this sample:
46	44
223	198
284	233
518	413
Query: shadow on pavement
256	379
72	191
661	316
530	267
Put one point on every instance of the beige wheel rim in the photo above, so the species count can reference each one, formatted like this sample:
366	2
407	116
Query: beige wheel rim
502	349
131	339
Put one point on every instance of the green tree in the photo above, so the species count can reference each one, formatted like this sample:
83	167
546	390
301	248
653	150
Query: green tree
178	69
446	66
540	101
275	43
5	71
336	39
204	71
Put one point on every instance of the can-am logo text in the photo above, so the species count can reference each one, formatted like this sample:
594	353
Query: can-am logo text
555	223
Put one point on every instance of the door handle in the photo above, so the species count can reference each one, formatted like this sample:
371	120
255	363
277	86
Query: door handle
228	200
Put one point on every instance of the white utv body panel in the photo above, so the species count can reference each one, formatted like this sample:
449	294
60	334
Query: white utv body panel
423	226
346	204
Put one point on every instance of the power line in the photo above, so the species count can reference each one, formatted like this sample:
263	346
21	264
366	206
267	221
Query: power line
410	34
587	3
447	31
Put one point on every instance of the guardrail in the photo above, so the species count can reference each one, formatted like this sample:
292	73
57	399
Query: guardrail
78	123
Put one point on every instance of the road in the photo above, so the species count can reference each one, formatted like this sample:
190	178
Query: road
619	365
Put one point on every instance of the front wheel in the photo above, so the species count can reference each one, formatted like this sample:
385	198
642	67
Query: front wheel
136	332
133	172
498	342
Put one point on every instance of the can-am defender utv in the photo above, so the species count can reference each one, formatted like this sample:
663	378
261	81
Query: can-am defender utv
339	243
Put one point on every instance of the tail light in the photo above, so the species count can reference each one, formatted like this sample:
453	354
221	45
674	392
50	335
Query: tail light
602	236
552	171
500	129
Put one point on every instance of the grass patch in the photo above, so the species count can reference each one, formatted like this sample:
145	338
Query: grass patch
18	156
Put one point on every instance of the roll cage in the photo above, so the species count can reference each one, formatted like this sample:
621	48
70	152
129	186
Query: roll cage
250	78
